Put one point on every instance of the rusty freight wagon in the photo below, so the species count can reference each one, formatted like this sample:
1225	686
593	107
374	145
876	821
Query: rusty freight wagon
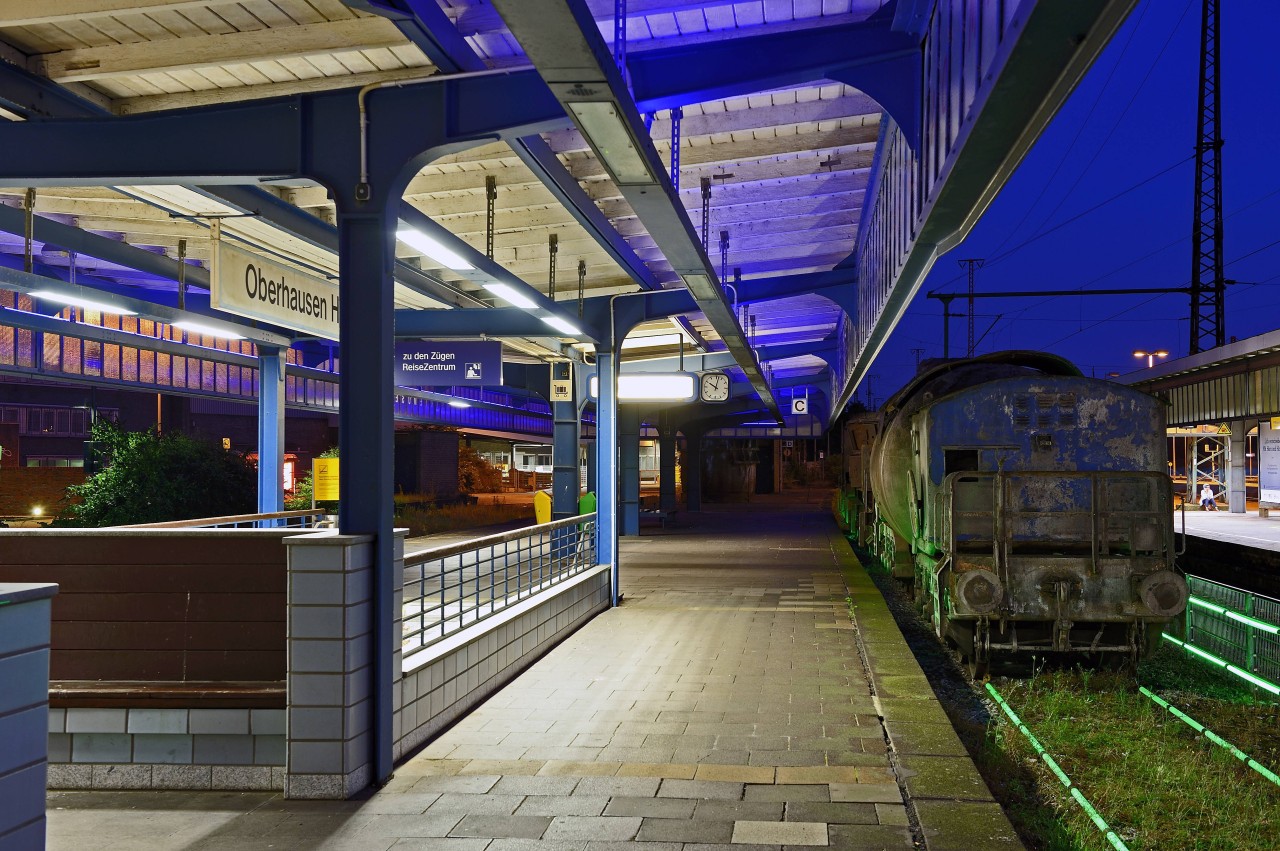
1029	506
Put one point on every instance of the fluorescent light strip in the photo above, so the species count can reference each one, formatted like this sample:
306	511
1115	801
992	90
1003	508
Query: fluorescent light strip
197	328
76	301
653	341
564	326
433	248
458	403
511	296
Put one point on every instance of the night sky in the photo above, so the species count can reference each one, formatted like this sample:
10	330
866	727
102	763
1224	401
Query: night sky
1130	125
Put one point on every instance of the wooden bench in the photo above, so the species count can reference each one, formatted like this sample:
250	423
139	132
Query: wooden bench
662	516
131	694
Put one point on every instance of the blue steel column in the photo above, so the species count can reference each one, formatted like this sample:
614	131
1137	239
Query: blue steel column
592	484
607	465
565	478
629	480
366	434
666	463
270	429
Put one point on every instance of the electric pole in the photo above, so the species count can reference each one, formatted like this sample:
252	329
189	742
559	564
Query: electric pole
973	264
1208	288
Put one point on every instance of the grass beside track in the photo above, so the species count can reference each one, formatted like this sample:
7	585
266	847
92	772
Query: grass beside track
450	518
1158	783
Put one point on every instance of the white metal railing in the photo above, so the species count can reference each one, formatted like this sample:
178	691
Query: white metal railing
305	519
451	587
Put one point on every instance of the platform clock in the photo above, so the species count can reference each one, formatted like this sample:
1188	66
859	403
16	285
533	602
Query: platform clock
714	387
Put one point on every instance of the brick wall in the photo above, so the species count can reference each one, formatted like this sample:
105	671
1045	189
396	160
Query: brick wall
24	487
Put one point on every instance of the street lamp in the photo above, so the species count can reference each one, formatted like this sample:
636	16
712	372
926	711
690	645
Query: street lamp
1150	356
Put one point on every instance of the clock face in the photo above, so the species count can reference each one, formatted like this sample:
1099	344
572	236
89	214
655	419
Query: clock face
715	387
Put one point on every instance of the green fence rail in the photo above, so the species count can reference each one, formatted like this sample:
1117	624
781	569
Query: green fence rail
1235	630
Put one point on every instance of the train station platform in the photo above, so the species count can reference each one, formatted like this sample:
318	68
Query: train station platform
1246	530
731	701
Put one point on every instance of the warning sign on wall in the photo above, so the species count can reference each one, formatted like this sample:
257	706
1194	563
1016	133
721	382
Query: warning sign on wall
324	479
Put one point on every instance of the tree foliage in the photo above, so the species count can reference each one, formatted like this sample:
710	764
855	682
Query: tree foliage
475	474
299	499
151	478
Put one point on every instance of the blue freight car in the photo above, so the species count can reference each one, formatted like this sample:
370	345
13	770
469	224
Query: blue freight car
1029	506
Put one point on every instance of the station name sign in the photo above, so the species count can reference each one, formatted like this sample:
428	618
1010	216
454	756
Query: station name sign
249	285
448	364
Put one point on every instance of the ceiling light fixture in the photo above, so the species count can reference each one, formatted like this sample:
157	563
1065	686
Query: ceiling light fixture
653	341
210	330
564	326
603	125
652	387
511	296
77	301
433	248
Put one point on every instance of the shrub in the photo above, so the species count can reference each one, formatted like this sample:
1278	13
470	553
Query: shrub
150	478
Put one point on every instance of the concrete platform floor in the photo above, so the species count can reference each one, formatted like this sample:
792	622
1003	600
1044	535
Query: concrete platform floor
730	702
1246	529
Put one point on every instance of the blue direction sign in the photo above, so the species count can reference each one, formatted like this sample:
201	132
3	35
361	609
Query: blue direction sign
445	364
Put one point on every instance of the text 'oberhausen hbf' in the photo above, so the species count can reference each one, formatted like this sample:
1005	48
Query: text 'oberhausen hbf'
283	294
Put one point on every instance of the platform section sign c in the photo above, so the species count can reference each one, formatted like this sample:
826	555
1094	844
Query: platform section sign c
1268	464
448	364
249	285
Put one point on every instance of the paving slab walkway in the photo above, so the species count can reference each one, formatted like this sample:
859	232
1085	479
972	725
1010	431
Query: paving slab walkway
730	703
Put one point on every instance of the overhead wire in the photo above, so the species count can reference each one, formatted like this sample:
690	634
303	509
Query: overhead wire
1123	113
1018	315
1131	188
1102	146
1080	128
1145	302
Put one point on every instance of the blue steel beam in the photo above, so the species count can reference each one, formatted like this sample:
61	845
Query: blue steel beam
869	55
562	40
542	161
838	285
26	282
313	136
13	220
424	23
612	317
475	322
483	268
37	98
287	217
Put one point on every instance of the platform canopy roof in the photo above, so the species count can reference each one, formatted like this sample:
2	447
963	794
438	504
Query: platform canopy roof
788	166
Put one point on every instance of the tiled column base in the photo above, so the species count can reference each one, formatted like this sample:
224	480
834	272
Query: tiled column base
331	671
24	707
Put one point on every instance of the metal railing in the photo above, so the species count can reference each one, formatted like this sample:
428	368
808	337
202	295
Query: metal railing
451	587
1235	630
304	519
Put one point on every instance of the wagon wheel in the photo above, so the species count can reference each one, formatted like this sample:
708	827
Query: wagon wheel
978	662
978	670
